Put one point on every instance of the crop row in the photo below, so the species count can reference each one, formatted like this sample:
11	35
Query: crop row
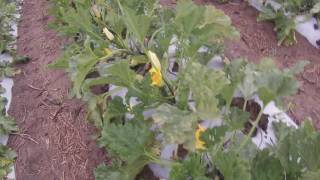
150	83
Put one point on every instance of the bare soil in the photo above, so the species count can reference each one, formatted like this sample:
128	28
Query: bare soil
56	142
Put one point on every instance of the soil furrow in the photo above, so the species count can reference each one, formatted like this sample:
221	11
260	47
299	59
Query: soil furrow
56	142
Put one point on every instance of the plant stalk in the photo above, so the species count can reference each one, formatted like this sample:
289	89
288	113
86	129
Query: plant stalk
245	104
254	126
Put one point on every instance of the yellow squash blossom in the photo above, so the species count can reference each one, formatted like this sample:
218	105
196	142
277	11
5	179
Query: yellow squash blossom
199	143
156	77
109	35
155	71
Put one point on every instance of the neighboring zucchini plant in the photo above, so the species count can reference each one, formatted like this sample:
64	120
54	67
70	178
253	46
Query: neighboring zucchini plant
284	17
122	46
8	10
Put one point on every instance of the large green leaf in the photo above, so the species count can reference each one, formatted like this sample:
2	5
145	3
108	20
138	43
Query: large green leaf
118	73
265	166
177	126
146	93
130	141
7	125
116	109
137	24
187	21
274	84
218	23
214	136
193	167
80	67
248	86
232	166
297	149
205	85
200	26
237	118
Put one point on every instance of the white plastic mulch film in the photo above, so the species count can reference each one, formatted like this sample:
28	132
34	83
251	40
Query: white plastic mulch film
7	84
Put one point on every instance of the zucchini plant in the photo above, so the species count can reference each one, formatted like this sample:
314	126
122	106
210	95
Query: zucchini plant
143	70
287	14
8	11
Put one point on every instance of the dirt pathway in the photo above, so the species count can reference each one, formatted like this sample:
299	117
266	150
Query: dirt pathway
58	143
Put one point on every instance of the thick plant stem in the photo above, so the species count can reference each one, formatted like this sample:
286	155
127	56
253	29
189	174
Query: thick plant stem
169	86
113	53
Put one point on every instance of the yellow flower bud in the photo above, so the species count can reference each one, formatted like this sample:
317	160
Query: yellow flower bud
96	11
154	60
199	143
109	35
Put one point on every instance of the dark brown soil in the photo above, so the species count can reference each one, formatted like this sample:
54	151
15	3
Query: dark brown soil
146	174
253	108
56	142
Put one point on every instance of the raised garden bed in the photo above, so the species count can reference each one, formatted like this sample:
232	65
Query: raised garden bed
115	117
